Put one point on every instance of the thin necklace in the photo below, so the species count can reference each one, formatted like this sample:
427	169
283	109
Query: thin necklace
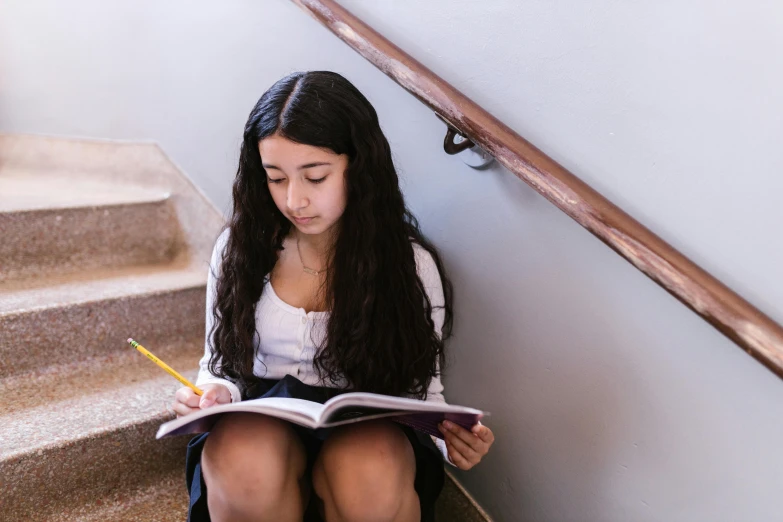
306	269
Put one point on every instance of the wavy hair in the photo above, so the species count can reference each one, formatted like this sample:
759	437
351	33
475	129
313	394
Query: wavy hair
380	335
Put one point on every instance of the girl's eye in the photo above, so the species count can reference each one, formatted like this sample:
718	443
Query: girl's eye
316	181
275	180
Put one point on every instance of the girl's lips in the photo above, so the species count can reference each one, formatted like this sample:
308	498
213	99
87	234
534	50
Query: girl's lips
303	220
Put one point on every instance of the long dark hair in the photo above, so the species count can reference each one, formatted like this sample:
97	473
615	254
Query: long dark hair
380	336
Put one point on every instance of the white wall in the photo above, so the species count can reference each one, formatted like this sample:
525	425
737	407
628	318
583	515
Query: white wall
611	401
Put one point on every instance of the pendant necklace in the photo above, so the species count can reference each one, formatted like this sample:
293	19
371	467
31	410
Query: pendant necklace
306	269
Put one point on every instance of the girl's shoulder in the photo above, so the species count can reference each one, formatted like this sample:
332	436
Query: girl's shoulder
222	239
425	266
220	246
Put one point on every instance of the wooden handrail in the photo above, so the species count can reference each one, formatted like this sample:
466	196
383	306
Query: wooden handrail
743	323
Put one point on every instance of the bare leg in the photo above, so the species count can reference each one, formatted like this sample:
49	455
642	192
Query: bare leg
254	469
365	473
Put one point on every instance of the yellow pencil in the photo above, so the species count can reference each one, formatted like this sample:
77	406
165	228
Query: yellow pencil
165	366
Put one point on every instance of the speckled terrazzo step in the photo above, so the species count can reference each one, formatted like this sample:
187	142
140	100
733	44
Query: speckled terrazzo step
75	320
454	504
28	188
87	173
59	384
163	500
70	453
52	241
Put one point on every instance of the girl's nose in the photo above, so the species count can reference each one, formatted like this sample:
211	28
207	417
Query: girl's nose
297	199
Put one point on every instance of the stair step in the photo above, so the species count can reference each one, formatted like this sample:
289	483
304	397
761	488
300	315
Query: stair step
87	173
454	504
76	320
41	427
98	230
25	189
164	499
63	383
72	451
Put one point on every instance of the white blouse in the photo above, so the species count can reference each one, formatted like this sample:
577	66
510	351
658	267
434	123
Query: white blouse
287	337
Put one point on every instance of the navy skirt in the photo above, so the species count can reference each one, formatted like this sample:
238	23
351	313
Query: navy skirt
429	461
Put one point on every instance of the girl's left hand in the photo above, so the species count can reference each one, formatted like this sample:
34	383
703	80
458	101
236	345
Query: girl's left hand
466	448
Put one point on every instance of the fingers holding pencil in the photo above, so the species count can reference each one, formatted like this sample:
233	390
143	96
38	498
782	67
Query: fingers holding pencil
186	401
190	398
214	394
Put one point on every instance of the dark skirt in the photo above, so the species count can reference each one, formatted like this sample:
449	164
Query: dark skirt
429	461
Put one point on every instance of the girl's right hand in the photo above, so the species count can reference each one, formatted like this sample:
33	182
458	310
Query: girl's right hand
186	401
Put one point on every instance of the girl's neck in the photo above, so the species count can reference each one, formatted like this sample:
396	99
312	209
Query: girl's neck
320	244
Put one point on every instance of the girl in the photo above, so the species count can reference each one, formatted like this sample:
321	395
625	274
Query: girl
321	283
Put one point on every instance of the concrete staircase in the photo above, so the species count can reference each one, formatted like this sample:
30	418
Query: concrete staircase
101	241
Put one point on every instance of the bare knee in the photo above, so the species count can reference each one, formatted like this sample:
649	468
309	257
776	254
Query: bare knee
366	472
250	464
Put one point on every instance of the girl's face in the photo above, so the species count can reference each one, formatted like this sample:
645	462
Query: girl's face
307	183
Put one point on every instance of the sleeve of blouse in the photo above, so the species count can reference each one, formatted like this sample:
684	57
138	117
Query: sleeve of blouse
430	278
204	375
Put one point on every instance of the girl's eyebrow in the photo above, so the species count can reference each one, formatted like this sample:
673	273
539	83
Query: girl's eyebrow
305	166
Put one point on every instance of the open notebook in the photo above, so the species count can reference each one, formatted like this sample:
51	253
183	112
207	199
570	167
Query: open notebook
343	409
